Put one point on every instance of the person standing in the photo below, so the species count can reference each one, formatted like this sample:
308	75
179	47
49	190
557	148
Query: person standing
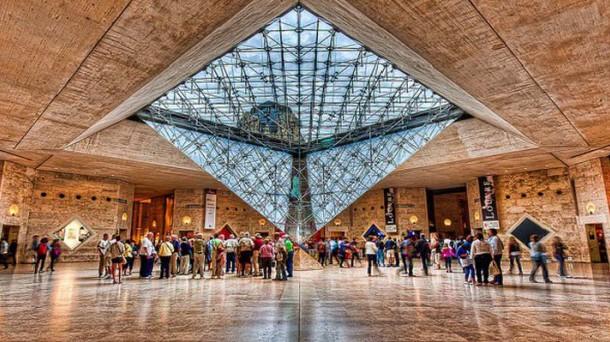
389	251
185	256
422	247
117	258
538	255
4	253
497	248
280	257
173	264
258	243
355	252
33	251
147	256
559	252
12	250
199	247
54	254
266	251
380	255
514	251
396	253
41	255
465	259
321	247
129	258
102	248
371	249
481	252
408	252
166	249
218	256
328	244
334	250
447	254
245	255
289	255
231	246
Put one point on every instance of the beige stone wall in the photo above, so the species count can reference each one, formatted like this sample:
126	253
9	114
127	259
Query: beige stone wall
547	196
188	202
447	206
474	204
43	215
232	210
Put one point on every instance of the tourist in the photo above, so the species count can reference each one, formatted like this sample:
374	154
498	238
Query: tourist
218	256
321	252
481	253
102	248
266	252
41	255
289	255
280	257
380	253
396	253
129	257
166	249
465	260
245	255
334	250
355	252
497	248
186	252
4	253
328	245
407	252
447	254
12	250
258	243
147	254
199	248
55	252
117	258
435	250
389	251
231	247
514	251
209	247
538	256
371	251
173	265
347	254
559	252
341	251
423	249
33	251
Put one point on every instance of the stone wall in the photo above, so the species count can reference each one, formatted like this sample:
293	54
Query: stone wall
474	204
188	203
49	200
450	206
547	196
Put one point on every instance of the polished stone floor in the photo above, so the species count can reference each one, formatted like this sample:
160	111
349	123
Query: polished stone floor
329	305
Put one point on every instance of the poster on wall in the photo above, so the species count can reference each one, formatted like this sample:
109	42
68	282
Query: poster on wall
488	203
210	209
390	210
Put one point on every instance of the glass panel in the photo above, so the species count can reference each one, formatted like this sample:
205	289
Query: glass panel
73	234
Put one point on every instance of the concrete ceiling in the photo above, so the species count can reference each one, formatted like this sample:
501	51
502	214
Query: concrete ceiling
539	76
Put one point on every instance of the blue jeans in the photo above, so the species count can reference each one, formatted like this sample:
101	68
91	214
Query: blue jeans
230	262
468	272
290	263
380	257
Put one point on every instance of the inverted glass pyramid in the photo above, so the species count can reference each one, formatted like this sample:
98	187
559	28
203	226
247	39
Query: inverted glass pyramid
299	120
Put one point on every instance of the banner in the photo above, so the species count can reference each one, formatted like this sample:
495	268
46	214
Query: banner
488	203
390	210
210	209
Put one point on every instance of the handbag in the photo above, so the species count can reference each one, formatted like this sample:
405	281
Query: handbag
494	270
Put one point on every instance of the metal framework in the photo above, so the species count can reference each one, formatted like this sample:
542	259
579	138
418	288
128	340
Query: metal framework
299	120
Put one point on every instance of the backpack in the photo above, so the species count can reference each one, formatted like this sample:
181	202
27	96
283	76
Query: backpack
42	249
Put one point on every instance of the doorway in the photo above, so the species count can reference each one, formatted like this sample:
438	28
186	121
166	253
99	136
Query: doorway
10	233
597	243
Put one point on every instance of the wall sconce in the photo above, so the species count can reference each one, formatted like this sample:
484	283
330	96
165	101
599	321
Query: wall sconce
186	220
591	208
413	219
13	210
447	222
337	222
262	222
154	223
477	215
124	217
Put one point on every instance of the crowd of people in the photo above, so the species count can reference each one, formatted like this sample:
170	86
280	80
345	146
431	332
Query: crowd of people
479	257
244	256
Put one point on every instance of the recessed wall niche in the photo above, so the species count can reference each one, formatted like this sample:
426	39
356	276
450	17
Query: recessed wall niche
43	194
62	195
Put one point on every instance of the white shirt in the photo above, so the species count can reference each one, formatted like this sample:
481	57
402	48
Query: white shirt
370	248
231	244
147	247
496	245
480	247
102	246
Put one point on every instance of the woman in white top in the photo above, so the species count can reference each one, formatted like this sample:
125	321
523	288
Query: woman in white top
370	248
481	252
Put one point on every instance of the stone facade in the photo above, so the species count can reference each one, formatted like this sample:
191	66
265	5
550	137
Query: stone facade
450	206
188	203
49	200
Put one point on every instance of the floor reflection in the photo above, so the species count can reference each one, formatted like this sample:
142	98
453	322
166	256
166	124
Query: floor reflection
333	304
